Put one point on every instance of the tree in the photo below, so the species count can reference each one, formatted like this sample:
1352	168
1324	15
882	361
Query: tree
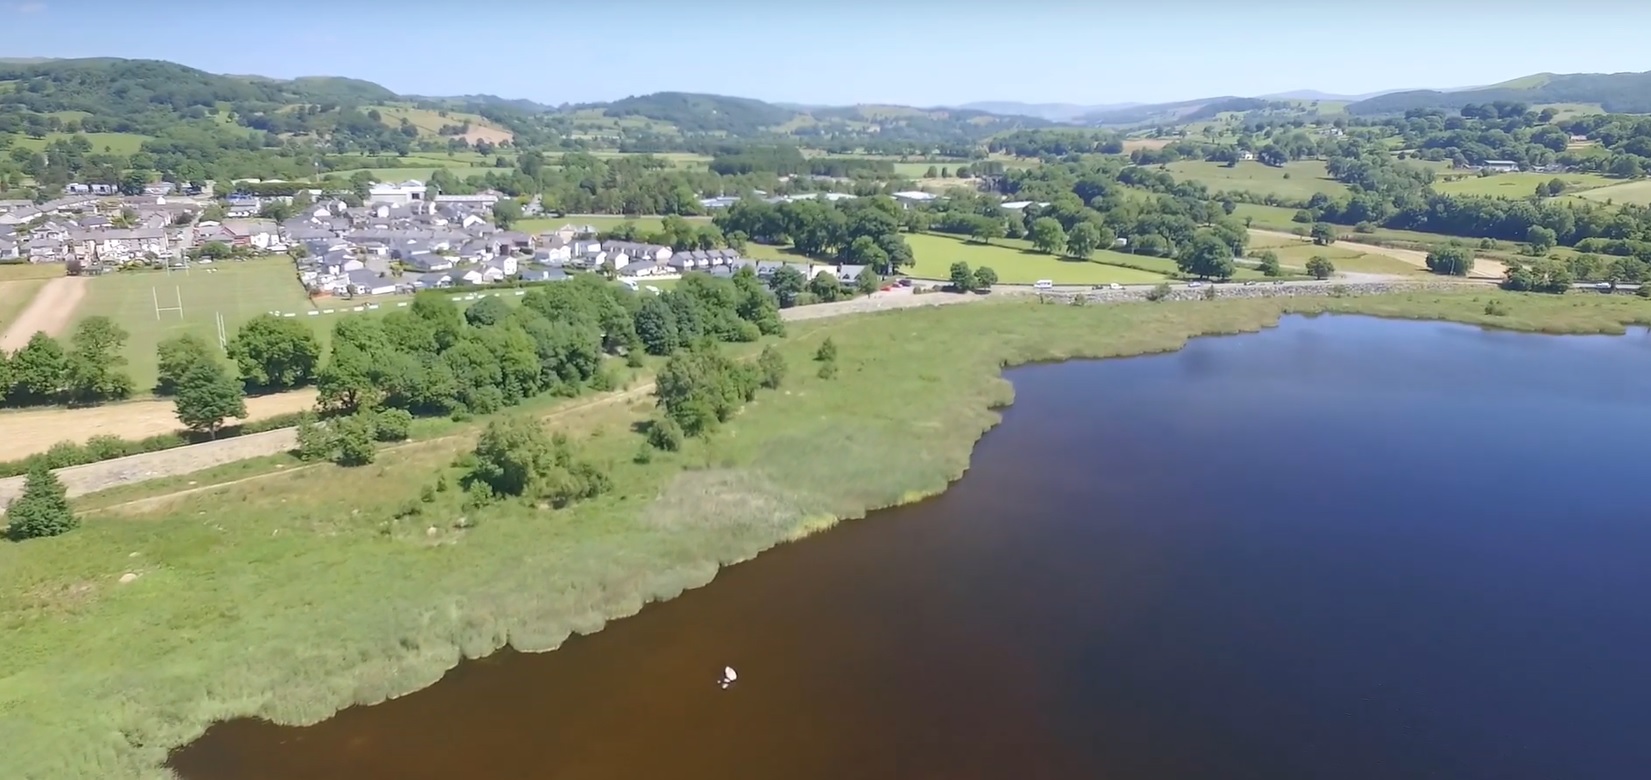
274	353
1207	255
38	371
699	387
985	229
1048	235
94	362
985	277
353	436
963	280
490	310
664	434
1082	242
1452	260
772	366
867	282
206	396
1268	263
656	325
827	351
1320	267
506	213
825	287
1323	234
43	507
1540	238
787	283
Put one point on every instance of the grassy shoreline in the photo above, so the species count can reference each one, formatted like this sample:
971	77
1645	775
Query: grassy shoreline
294	596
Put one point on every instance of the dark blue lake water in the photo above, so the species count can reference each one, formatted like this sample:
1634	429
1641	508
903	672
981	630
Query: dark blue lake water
1345	548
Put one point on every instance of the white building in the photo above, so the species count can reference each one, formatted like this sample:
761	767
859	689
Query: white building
397	194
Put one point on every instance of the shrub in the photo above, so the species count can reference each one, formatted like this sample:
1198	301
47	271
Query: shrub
1495	308
1159	293
393	425
772	365
828	370
42	509
1209	293
664	434
353	439
827	351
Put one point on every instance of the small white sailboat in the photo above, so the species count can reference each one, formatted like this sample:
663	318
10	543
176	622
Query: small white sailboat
728	677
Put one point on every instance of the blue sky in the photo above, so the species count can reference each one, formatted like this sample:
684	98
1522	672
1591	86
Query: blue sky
916	52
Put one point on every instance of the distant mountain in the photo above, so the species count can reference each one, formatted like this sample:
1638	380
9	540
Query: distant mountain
1313	94
1628	93
1054	112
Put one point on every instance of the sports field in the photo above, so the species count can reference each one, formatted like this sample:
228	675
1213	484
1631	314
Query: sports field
237	290
1520	185
1017	263
1299	180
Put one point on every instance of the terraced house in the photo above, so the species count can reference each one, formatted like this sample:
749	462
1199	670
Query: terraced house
117	246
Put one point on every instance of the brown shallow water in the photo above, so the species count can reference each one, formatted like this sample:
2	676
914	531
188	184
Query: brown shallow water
1322	551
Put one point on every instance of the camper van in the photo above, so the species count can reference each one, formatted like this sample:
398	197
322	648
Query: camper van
1044	284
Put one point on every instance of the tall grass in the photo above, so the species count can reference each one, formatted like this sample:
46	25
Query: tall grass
291	597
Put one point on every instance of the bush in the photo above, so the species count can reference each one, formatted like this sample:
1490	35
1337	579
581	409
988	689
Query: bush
1159	293
1209	293
393	425
827	351
772	365
664	434
828	370
1495	309
42	509
353	439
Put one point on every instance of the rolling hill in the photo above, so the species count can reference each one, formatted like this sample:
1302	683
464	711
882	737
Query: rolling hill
1628	93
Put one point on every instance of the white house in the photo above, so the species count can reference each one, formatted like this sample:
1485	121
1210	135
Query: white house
116	246
363	282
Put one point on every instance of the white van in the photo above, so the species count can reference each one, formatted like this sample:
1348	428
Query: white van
1044	284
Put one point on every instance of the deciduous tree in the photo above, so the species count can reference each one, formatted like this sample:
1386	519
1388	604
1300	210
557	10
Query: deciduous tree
1048	235
206	396
276	354
1320	267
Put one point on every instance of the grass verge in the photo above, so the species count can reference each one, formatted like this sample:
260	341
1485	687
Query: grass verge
293	596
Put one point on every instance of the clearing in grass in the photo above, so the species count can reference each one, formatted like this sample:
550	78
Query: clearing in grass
232	587
238	291
1299	180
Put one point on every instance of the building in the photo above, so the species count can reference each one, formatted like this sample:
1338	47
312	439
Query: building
1500	166
914	198
116	246
397	194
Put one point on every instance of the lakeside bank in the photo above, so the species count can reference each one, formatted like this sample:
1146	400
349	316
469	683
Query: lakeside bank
306	593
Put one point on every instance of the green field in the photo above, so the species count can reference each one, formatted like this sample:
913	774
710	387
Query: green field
1293	255
1298	180
237	290
1637	193
429	123
236	588
1520	185
110	143
1017	263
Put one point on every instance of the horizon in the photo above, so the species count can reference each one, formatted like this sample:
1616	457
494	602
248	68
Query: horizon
904	68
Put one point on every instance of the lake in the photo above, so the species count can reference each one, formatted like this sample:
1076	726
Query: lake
1344	548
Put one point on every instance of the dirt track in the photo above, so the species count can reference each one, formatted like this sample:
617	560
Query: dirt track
52	309
26	432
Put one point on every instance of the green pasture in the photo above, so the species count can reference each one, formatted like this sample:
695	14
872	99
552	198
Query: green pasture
1299	180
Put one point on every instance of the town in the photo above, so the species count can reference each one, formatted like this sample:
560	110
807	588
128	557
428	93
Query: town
404	237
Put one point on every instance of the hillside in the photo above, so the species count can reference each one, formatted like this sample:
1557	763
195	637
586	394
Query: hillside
1625	93
1054	112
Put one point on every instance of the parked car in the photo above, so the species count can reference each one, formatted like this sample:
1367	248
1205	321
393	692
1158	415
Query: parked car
904	281
1250	283
1195	284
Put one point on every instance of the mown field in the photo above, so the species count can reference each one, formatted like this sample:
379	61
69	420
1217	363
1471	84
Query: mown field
291	596
237	290
1017	263
1637	193
1294	253
429	123
1299	179
107	143
1519	185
